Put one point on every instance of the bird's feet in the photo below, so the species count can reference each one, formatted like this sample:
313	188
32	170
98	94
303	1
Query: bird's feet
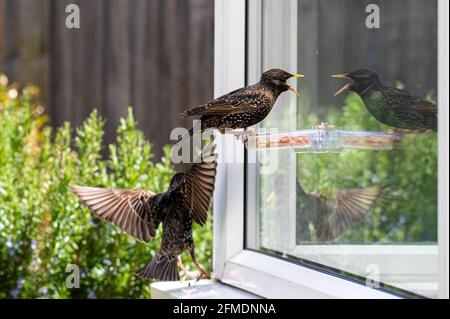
203	273
186	273
399	134
396	131
191	275
243	135
323	126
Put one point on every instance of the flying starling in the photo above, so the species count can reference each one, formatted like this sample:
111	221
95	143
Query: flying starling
243	107
390	106
332	212
139	213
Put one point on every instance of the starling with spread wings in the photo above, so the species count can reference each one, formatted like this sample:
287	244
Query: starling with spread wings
243	107
390	106
140	212
332	212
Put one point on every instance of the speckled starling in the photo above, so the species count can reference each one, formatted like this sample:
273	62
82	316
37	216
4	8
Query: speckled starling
332	212
390	106
246	106
139	213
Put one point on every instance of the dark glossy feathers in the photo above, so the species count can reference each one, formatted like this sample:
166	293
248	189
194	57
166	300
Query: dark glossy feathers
243	107
163	267
139	212
411	109
243	100
390	106
199	187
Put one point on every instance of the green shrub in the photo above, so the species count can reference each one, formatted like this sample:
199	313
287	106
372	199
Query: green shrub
43	226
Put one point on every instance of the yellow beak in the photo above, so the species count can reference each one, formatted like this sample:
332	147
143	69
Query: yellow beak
295	76
340	76
294	90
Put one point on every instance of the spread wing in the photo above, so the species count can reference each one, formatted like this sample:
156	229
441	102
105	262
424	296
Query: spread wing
343	209
133	211
199	185
239	101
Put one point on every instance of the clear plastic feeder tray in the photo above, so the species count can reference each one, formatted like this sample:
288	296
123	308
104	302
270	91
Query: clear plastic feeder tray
323	140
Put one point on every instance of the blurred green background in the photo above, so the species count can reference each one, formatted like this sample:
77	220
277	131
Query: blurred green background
407	211
43	226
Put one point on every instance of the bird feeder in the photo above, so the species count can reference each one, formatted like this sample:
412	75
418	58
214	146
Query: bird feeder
323	138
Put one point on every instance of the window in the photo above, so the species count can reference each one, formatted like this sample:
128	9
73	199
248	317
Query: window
393	244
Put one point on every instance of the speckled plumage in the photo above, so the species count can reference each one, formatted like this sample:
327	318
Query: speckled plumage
243	107
391	106
139	213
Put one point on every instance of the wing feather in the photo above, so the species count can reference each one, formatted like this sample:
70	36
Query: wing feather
239	101
133	211
199	185
411	108
345	208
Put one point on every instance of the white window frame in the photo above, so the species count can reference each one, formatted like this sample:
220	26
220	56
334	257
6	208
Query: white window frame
265	275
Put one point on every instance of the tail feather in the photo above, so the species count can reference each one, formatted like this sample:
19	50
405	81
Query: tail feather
195	110
162	267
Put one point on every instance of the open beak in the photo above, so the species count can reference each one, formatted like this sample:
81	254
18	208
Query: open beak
295	76
345	87
294	90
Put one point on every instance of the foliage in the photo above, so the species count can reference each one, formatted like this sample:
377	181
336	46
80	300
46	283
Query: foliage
43	226
407	211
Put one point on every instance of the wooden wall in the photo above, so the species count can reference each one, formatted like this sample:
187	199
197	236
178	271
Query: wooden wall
333	38
156	55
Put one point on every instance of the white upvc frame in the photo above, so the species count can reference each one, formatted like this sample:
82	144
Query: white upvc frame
259	273
443	145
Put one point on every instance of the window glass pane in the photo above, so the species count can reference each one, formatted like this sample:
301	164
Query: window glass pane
366	213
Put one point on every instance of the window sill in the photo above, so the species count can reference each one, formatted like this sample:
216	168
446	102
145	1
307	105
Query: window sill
275	278
409	267
202	289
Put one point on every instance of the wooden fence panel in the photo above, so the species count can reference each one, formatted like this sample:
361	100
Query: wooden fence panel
333	38
155	55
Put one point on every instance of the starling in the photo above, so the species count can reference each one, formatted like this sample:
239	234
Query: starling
243	107
332	212
390	106
139	213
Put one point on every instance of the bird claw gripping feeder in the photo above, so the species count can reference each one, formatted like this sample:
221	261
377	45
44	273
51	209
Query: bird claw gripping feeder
323	138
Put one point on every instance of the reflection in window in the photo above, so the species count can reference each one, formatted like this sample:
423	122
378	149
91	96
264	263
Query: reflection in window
352	210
